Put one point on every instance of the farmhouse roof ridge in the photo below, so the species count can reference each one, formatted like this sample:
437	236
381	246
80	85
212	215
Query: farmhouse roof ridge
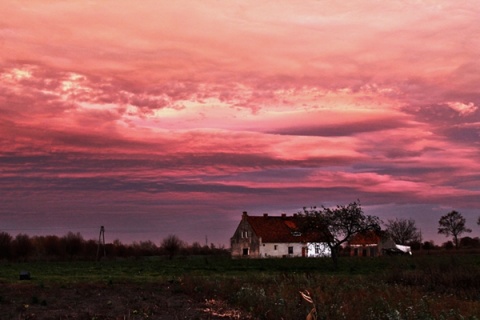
282	228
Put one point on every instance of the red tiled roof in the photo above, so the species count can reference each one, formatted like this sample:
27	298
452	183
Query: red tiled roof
370	237
282	229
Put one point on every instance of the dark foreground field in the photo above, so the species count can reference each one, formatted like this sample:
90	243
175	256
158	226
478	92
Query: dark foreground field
101	301
420	287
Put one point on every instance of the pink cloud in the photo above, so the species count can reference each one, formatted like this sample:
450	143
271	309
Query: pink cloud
463	108
165	105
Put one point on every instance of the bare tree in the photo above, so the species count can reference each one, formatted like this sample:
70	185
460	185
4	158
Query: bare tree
403	231
172	245
339	224
453	223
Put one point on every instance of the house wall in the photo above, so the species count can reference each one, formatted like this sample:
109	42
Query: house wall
279	250
244	243
369	250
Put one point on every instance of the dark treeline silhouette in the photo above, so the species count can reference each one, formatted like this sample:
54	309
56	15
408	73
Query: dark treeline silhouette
73	246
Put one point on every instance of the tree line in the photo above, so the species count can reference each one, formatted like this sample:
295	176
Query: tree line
340	224
73	246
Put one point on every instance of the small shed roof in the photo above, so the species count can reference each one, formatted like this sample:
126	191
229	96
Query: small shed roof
365	238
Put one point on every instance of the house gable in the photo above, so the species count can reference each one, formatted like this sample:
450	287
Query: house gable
245	241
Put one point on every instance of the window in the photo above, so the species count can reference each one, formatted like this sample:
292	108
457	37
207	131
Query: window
245	251
317	248
290	250
275	247
244	234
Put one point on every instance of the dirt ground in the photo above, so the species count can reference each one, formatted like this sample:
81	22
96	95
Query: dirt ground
25	300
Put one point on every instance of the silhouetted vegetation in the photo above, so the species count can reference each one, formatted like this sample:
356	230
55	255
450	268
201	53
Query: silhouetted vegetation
172	245
403	231
453	223
73	246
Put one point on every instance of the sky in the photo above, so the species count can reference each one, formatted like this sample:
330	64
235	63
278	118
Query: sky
157	117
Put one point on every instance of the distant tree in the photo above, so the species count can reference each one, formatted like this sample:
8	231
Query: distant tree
428	245
90	249
5	245
53	246
448	245
74	243
403	231
469	242
195	248
171	245
148	248
453	223
478	221
338	224
22	246
119	249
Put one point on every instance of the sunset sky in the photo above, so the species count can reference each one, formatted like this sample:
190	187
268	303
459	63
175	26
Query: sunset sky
172	117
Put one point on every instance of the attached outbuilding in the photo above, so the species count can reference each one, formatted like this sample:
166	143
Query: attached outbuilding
276	237
375	243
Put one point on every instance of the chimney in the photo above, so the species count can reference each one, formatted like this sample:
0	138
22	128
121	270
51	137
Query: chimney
265	215
244	215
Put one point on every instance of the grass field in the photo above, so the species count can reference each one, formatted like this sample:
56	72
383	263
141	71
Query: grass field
418	287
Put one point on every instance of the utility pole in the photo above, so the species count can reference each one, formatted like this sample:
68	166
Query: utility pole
101	242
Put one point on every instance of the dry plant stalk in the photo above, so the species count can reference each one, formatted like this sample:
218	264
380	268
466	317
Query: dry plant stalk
312	315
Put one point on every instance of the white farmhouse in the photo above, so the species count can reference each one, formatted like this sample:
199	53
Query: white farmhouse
276	236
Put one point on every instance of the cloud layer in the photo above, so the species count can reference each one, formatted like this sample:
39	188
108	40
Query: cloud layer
174	117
